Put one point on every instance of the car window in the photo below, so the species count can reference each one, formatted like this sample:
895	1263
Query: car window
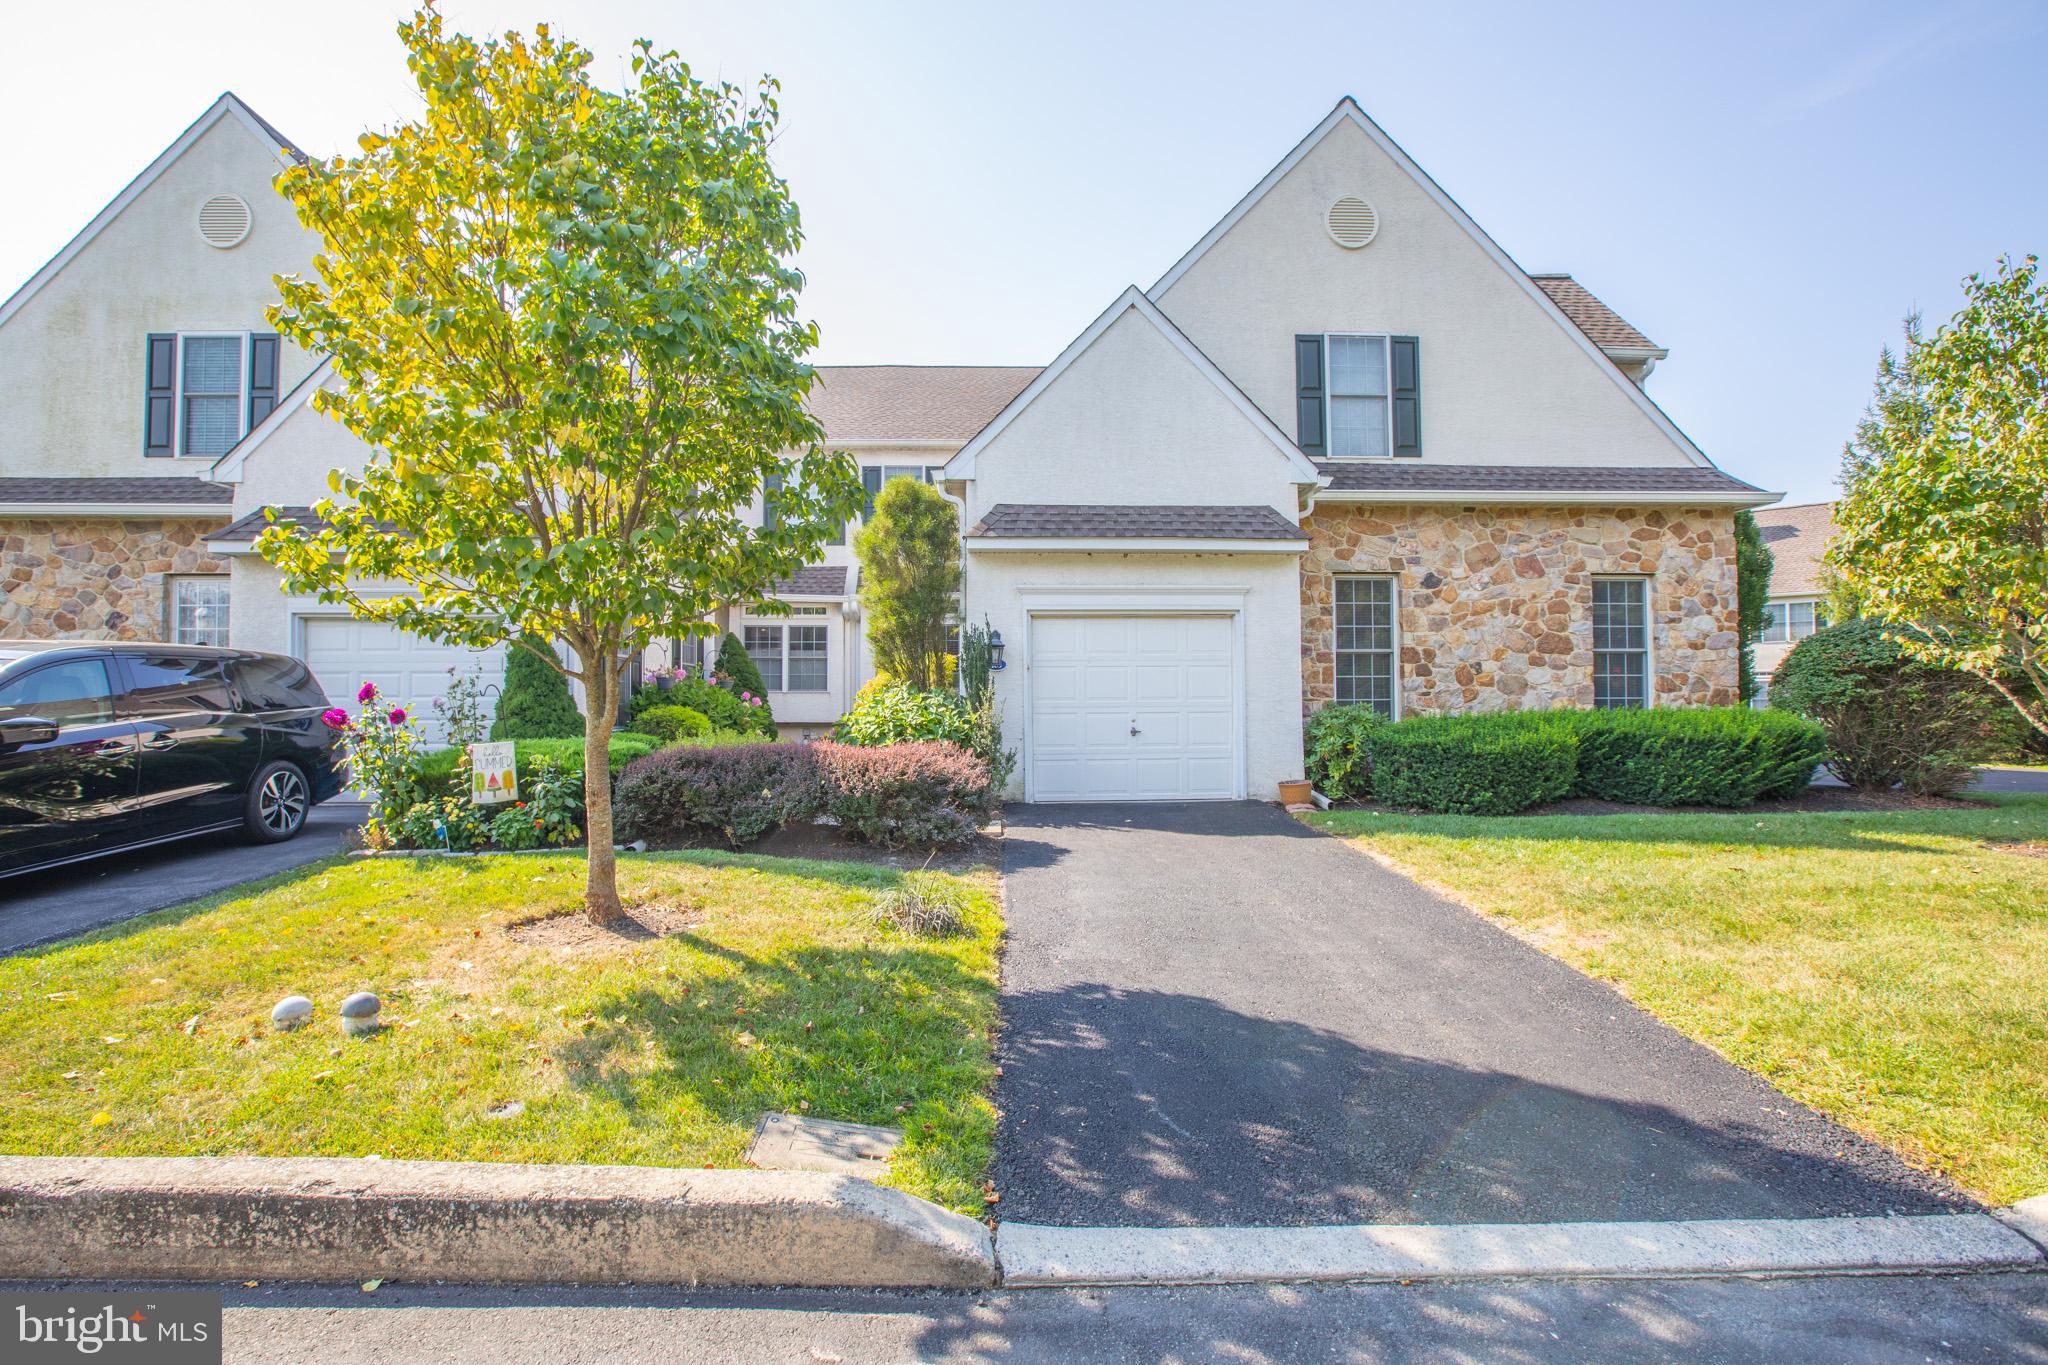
275	683
174	684
72	693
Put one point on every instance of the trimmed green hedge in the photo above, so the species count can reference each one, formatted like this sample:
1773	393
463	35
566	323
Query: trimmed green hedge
567	755
1474	765
1501	763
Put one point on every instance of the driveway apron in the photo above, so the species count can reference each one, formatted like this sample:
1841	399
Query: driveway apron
1215	1015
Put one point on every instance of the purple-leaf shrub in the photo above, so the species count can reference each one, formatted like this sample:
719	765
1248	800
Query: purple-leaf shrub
742	791
926	793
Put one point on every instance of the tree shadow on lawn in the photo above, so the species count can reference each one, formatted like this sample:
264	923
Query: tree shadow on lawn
1149	1108
895	1034
1915	832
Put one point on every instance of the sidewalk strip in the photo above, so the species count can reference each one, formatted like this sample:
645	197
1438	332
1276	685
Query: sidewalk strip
1033	1255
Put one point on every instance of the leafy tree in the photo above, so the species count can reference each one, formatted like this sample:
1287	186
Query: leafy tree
1753	560
535	703
1942	530
564	319
910	580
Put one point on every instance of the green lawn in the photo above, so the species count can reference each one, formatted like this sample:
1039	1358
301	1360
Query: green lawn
1890	969
153	1037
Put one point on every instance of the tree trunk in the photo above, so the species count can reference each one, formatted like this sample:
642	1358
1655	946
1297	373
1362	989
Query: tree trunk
601	887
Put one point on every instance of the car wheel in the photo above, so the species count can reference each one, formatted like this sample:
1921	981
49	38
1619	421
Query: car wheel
279	800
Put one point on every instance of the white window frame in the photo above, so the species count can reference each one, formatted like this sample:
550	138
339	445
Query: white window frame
1783	631
1330	394
241	391
782	627
1649	649
175	627
1392	651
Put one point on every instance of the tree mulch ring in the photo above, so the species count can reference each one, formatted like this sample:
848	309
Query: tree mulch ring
826	844
2024	848
573	932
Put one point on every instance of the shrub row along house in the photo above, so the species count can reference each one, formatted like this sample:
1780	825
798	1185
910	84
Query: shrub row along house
1345	449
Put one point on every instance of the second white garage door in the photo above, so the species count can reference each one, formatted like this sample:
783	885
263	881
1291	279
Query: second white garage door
1133	708
345	653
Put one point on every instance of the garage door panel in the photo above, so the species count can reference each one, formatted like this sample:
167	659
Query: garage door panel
345	653
1096	679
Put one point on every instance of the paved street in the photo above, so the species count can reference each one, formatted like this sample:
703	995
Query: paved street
1859	1319
1215	1015
39	906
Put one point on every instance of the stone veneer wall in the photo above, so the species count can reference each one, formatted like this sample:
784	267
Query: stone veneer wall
1495	604
95	578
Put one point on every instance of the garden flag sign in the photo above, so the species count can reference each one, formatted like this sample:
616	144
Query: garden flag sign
492	776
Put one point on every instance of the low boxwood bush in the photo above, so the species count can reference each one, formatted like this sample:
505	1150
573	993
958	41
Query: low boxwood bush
739	791
927	792
671	723
1336	747
437	768
1474	765
1709	756
1889	719
724	708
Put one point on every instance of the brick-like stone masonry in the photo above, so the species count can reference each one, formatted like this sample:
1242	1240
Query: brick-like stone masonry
95	578
1495	604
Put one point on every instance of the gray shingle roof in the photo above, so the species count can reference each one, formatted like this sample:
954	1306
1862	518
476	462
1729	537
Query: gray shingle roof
816	580
251	526
141	492
1413	476
1594	318
913	402
1047	521
1796	536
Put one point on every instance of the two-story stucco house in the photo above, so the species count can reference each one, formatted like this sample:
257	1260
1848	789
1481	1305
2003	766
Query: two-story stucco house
1345	449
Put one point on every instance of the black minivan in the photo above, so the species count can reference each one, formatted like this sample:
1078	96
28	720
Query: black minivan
106	747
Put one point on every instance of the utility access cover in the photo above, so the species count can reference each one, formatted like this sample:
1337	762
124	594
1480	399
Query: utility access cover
791	1142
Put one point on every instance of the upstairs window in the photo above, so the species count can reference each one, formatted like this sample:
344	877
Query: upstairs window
1787	622
1358	396
203	391
1359	424
873	476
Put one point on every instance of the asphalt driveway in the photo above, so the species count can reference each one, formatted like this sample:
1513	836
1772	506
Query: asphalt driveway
1215	1015
39	906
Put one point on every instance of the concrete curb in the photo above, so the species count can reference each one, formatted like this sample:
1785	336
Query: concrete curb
1031	1255
204	1218
2030	1218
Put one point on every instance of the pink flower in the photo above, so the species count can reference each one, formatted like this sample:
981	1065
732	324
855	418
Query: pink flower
335	718
366	692
746	696
396	715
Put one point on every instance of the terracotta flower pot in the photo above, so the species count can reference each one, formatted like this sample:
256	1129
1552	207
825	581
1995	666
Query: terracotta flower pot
1294	793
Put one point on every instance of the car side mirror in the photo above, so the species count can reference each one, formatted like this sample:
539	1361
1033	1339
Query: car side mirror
19	730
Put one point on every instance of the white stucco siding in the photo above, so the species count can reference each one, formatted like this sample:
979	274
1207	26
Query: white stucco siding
290	468
1133	421
1259	591
74	352
1502	381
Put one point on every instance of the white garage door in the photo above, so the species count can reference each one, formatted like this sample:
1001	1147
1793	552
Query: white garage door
1133	708
345	653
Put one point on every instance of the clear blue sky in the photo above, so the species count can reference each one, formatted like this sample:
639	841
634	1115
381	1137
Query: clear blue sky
1765	189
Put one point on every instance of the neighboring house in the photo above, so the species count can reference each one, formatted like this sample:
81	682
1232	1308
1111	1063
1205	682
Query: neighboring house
1797	536
1344	450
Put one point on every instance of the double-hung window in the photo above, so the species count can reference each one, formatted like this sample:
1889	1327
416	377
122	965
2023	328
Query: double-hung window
212	374
1621	642
791	658
1365	643
1787	622
1359	412
873	476
199	610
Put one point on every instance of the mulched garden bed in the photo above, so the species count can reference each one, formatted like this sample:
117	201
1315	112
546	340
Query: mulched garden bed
826	844
1813	799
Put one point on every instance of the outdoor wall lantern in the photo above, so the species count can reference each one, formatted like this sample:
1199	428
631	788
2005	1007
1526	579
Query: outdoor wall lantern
995	651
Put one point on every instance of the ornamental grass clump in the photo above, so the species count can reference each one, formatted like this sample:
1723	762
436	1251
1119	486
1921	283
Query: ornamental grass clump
924	906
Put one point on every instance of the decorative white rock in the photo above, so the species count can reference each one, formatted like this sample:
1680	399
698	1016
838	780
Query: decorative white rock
291	1012
359	1013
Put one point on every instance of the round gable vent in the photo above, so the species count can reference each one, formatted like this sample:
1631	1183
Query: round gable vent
224	221
1353	222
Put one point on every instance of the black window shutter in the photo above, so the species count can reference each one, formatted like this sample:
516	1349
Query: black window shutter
262	377
770	486
160	386
1407	396
1309	401
871	480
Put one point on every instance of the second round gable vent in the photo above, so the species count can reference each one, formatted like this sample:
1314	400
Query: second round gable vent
1353	222
224	221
